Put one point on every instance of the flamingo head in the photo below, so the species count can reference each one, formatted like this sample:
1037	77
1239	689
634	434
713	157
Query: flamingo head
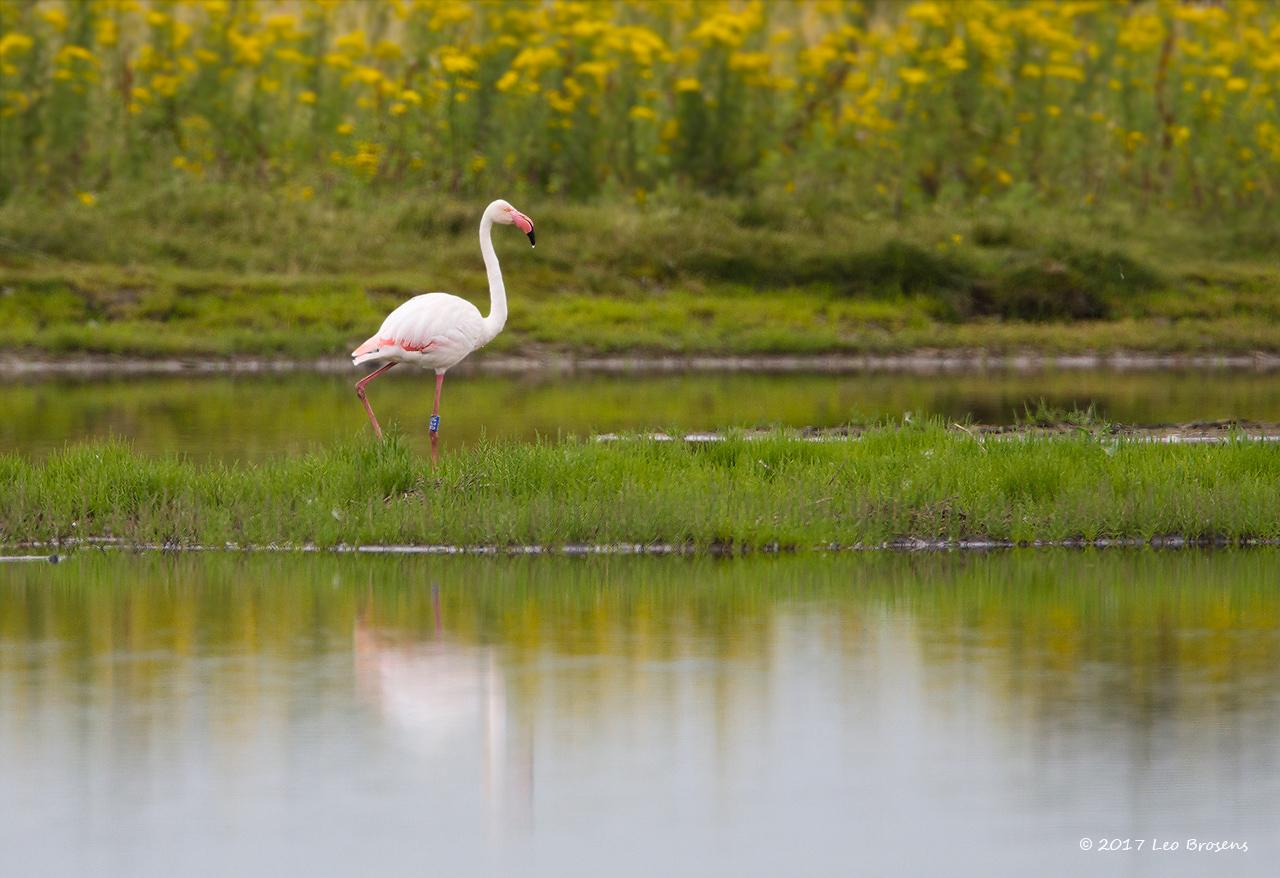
502	212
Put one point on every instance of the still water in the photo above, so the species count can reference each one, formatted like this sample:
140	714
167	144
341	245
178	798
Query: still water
222	714
249	417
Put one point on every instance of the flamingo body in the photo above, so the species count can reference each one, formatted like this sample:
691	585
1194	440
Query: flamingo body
433	331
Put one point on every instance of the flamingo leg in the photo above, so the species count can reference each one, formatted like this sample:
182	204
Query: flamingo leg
435	416
364	400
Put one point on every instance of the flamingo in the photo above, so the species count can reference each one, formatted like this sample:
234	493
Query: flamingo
438	330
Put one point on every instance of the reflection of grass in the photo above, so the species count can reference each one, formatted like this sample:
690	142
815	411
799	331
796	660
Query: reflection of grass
156	276
920	482
239	417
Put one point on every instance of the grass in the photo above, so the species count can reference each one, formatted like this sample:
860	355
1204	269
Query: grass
912	481
216	271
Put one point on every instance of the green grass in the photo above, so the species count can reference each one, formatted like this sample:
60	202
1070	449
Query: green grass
923	482
215	271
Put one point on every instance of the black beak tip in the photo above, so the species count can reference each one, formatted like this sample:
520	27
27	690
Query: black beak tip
531	241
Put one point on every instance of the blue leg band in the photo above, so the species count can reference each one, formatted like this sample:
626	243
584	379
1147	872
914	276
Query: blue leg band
435	423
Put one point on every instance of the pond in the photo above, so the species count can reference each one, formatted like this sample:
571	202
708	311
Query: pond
251	416
218	714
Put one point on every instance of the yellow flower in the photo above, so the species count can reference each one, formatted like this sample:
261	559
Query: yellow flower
353	43
307	97
1065	71
1004	177
397	109
454	61
688	84
368	75
105	32
346	128
13	43
88	199
929	13
71	52
913	75
1237	83
642	113
559	102
55	18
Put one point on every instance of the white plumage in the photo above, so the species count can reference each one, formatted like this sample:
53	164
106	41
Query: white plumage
433	330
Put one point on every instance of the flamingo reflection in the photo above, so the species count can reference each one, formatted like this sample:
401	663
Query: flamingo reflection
441	696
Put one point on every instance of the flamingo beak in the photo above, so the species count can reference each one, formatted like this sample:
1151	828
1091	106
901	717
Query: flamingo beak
525	224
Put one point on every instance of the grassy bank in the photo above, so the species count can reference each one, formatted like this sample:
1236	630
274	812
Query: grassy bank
925	482
219	271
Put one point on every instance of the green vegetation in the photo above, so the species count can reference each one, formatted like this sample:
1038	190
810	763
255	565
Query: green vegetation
271	178
925	482
217	271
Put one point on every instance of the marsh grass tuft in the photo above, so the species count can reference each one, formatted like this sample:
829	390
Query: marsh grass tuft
919	480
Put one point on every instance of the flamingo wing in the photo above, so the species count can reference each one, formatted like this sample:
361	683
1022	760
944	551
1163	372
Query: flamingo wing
433	329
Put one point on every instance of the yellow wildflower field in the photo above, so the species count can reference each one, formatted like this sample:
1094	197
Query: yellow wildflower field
1170	101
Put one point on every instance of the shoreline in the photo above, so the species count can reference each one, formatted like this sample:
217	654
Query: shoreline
581	550
914	362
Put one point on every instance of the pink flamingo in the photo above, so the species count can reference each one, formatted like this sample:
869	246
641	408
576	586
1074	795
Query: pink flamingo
437	330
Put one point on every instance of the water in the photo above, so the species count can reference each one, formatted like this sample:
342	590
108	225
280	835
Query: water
250	417
216	714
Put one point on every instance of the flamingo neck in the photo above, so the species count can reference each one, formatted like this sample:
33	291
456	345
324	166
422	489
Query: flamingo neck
497	292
